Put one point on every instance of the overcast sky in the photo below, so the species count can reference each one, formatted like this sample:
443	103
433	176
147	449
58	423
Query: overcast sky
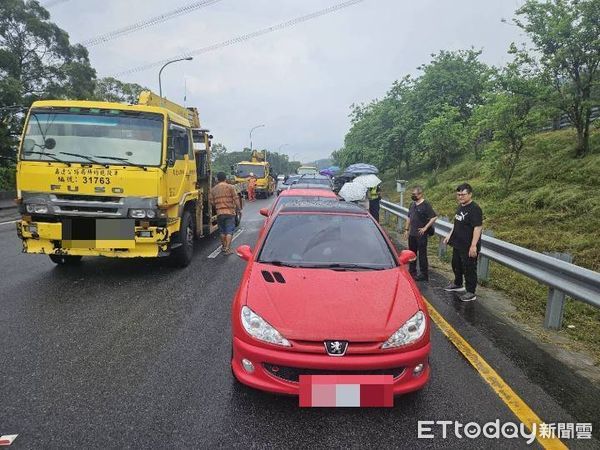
299	82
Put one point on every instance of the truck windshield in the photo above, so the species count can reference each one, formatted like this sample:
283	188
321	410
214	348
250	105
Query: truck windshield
307	170
244	170
136	138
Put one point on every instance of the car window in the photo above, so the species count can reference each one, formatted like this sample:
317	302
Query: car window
319	240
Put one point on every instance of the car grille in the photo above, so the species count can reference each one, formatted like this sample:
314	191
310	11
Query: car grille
292	374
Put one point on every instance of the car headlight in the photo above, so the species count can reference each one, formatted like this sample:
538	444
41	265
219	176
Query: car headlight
37	209
137	213
260	329
412	330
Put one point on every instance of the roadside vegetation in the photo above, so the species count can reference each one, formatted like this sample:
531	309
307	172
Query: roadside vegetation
553	204
523	135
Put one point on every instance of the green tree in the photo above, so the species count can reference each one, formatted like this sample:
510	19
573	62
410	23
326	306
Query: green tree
36	61
457	79
112	90
566	39
444	136
512	112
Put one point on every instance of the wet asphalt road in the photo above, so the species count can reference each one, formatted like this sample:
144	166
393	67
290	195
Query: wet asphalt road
117	353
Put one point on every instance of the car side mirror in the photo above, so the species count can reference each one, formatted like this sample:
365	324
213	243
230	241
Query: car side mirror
50	143
244	252
264	212
407	256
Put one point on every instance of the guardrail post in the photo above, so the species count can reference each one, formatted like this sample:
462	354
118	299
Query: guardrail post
483	263
556	299
400	224
442	248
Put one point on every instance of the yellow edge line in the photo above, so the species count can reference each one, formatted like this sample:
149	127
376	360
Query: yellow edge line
523	412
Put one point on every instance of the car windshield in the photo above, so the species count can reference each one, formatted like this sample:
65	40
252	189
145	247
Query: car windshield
136	138
286	200
326	240
244	170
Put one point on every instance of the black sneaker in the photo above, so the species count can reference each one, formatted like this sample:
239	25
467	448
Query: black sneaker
422	277
468	297
454	288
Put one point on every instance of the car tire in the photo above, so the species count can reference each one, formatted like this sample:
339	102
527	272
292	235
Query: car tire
181	256
65	260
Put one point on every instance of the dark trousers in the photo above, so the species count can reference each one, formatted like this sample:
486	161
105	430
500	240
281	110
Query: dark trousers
465	267
374	208
418	244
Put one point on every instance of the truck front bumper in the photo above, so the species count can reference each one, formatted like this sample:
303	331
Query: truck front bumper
47	238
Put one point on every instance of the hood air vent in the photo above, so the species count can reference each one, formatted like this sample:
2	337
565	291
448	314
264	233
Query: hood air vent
270	278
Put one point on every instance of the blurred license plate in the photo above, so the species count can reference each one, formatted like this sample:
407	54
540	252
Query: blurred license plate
346	391
98	233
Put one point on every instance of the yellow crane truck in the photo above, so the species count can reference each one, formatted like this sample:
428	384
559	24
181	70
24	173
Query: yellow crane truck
115	180
265	182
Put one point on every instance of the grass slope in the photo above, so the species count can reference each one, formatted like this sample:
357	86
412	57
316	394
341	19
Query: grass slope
552	204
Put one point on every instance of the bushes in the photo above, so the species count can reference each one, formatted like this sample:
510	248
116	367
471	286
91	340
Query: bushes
7	178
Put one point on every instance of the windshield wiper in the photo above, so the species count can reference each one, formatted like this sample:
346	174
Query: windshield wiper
49	155
125	160
279	263
84	157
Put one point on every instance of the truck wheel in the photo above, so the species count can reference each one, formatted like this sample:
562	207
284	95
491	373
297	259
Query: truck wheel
65	260
182	254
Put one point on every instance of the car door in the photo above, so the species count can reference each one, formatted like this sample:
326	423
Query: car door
178	170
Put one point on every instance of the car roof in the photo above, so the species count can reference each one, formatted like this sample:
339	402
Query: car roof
306	186
305	206
308	193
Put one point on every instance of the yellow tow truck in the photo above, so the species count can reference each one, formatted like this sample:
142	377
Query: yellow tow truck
265	182
114	180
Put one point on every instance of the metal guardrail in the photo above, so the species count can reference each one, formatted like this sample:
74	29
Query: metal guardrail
559	275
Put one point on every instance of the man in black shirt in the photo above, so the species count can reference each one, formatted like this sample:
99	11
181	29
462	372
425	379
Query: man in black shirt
465	238
419	226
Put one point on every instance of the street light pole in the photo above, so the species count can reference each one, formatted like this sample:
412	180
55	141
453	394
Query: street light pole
251	130
189	58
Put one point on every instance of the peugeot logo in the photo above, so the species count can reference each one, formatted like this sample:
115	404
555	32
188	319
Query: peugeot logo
336	348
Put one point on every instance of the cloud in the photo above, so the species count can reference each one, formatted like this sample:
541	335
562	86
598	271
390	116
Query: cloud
300	81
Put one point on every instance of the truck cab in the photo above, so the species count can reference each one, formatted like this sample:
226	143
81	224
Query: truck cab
307	170
114	180
265	182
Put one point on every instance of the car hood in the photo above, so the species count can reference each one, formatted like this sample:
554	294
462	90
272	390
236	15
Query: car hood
319	304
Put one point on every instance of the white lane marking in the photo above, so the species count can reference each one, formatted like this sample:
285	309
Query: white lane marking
220	247
7	223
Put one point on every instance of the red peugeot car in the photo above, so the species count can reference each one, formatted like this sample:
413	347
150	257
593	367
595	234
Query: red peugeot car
325	292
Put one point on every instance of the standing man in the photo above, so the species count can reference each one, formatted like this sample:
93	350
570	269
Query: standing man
465	238
227	203
252	187
374	195
419	227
